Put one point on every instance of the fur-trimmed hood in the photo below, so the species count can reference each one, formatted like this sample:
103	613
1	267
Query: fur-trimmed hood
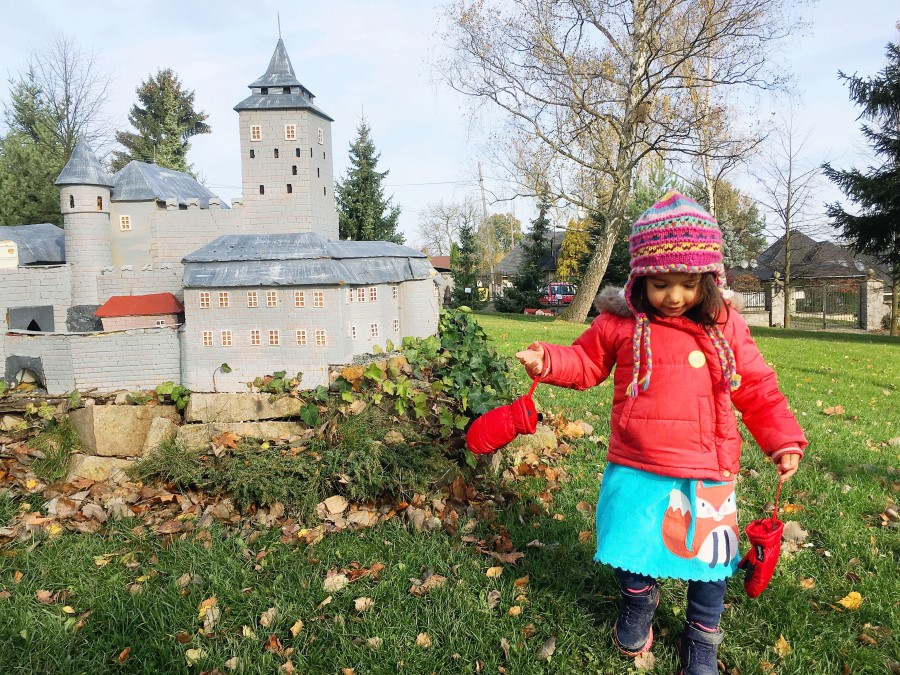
612	301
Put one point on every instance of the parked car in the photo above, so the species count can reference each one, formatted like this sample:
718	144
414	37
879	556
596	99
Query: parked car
559	294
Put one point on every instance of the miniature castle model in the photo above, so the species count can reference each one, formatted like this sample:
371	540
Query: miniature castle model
264	285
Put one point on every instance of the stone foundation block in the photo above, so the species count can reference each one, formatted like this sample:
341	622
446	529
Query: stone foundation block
198	436
118	430
237	407
98	468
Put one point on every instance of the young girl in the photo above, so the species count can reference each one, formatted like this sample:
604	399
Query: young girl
682	357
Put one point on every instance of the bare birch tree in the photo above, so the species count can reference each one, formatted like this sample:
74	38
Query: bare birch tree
440	221
589	88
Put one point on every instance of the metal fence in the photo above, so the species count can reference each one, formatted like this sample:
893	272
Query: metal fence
831	304
754	301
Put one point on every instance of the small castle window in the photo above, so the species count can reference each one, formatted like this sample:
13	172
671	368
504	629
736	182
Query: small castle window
252	299
274	338
373	330
290	130
301	338
254	338
360	294
207	338
395	292
323	155
99	203
226	338
263	90
290	188
224	300
320	337
252	153
352	332
318	298
310	153
276	153
294	170
160	323
299	299
318	172
285	90
349	295
271	298
204	299
71	201
320	136
255	132
262	189
324	191
124	223
396	326
297	150
373	294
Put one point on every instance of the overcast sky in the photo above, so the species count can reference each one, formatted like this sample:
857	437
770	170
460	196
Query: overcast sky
373	57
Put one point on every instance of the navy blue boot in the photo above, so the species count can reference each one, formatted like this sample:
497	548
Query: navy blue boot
699	650
633	633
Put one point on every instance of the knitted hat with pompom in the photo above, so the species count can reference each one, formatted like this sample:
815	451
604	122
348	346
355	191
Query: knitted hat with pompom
676	234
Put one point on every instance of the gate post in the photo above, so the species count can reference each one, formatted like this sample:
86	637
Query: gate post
871	302
775	301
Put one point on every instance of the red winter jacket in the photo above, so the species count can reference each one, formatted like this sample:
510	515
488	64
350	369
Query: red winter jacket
683	425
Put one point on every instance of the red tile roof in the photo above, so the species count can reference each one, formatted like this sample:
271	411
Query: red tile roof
140	305
440	262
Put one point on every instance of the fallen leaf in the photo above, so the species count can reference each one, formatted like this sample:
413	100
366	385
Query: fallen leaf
17	577
851	601
393	437
420	588
296	628
547	649
268	617
585	508
211	620
645	661
227	439
494	572
335	582
374	643
247	632
204	606
170	527
44	597
123	655
493	599
288	668
68	609
515	610
834	410
363	604
326	601
521	582
233	663
96	512
273	644
423	640
807	583
782	648
585	536
504	647
192	656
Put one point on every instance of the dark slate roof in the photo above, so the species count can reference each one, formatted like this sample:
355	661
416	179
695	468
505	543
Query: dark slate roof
41	244
513	260
139	182
83	168
278	75
812	259
300	259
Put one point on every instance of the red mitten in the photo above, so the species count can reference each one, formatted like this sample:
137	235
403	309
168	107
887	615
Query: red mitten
498	427
765	545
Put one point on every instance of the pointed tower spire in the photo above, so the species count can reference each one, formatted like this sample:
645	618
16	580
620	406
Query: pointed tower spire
83	168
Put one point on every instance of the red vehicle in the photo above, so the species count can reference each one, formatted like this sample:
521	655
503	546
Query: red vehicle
559	294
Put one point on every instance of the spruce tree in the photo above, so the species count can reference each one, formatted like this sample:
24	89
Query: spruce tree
364	213
464	260
165	120
875	229
528	284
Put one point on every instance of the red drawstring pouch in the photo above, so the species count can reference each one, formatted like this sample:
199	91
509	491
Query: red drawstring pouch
765	545
496	428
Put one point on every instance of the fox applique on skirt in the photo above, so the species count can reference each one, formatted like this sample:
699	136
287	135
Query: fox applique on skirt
680	528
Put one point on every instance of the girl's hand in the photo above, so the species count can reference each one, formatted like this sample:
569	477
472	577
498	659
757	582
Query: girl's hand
787	465
533	359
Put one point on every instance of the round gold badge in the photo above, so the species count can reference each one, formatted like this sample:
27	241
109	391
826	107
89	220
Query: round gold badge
697	359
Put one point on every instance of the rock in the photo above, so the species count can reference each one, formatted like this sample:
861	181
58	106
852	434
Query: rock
117	430
162	429
10	422
197	436
98	468
121	398
240	407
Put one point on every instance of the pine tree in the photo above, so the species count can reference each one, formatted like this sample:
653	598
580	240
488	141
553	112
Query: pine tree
875	230
464	260
165	120
528	285
363	212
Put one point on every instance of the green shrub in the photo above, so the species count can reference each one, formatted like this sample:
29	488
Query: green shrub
58	441
170	462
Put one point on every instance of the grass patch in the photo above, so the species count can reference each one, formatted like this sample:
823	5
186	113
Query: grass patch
843	486
58	441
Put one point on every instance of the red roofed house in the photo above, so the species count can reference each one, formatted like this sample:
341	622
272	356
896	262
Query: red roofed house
122	312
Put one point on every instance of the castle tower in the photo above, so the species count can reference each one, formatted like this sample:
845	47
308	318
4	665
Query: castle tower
286	163
84	201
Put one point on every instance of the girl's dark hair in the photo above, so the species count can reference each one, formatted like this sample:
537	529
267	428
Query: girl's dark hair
706	312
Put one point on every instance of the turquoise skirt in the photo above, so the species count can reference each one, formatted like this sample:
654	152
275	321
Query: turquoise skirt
679	528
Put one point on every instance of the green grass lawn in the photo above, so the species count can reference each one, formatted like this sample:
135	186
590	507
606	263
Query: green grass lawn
848	480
